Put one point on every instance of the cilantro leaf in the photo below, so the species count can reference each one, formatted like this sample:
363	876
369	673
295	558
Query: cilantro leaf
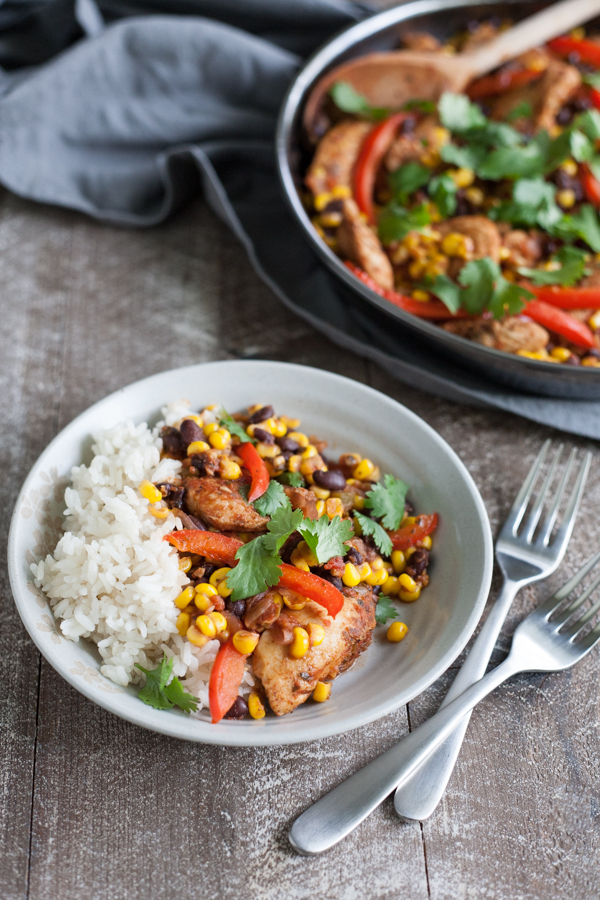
159	695
387	501
592	78
458	114
349	100
589	123
234	427
582	148
533	203
522	110
257	569
477	277
395	222
583	224
448	292
271	500
407	179
424	106
572	268
294	479
373	529
284	521
384	610
508	299
326	538
442	190
513	162
467	157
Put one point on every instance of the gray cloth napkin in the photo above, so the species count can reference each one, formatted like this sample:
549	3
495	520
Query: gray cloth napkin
122	112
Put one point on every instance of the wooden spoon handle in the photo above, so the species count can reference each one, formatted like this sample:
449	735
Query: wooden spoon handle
531	32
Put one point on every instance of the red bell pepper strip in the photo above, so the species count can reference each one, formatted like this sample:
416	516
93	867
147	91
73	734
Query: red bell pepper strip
225	679
258	471
313	587
590	185
560	322
408	535
217	547
432	309
594	96
588	51
375	146
501	81
568	297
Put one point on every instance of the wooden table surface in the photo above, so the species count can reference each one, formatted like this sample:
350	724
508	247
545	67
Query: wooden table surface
93	807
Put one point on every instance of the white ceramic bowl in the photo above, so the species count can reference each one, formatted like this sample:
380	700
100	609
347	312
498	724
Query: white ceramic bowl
351	417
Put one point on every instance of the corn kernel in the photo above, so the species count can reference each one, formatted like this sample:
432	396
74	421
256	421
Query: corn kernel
224	590
388	568
577	34
410	596
475	196
322	200
207	589
322	691
197	419
427	542
334	507
294	603
377	577
377	563
463	178
307	554
566	198
294	463
440	136
363	470
409	552
560	353
300	643
230	470
204	603
321	511
364	570
279	428
256	707
291	424
457	244
255	408
183	623
309	451
398	561
396	632
591	362
391	585
408	583
421	296
504	253
341	192
298	560
358	502
321	493
185	597
594	320
316	634
196	637
185	563
530	354
267	451
569	167
197	447
149	491
210	428
219	621
351	576
220	439
218	575
299	437
245	641
206	625
159	512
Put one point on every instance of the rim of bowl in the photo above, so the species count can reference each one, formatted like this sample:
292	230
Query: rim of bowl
204	732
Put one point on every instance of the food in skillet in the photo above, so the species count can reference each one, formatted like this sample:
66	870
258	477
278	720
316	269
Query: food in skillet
231	553
478	211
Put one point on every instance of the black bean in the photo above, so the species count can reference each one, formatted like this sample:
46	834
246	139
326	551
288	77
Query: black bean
332	480
581	103
326	575
264	436
266	412
593	352
190	432
418	562
238	608
564	116
199	524
355	557
573	360
209	568
174	497
408	508
239	709
286	454
172	441
408	126
288	444
334	206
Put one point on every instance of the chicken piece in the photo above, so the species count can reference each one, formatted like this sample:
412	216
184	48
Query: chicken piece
220	503
524	247
421	41
510	334
413	147
336	155
303	499
482	34
262	610
358	243
289	682
593	279
546	95
483	232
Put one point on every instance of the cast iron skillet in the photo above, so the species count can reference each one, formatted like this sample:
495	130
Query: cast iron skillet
381	32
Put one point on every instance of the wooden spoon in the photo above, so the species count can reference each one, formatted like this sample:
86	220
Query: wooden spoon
391	79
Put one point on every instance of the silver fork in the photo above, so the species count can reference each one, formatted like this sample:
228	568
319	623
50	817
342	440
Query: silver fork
548	640
524	554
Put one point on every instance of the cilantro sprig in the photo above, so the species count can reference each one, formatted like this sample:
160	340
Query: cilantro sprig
226	421
395	222
571	268
481	287
271	500
384	610
160	695
327	538
349	100
373	529
386	500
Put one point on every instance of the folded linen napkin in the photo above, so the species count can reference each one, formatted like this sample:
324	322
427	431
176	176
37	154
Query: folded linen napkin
119	111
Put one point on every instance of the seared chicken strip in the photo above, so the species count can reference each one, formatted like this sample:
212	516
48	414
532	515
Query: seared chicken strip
289	682
220	503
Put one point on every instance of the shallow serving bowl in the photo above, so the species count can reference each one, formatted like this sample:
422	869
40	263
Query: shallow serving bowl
351	417
380	33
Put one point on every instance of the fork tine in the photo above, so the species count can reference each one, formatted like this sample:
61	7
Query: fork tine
574	606
563	535
580	624
591	639
518	508
536	512
550	520
546	609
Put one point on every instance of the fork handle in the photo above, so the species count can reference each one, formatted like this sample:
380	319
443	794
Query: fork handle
338	813
417	797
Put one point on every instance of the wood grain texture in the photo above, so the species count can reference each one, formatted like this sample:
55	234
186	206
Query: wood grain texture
93	806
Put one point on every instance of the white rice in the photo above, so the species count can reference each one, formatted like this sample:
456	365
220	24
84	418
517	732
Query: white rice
112	579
